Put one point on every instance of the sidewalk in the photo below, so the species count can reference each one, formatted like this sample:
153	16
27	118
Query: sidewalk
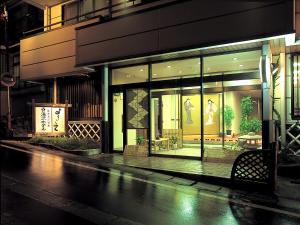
182	166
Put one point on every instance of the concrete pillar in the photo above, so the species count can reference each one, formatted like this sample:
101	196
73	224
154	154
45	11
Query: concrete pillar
282	71
268	131
105	110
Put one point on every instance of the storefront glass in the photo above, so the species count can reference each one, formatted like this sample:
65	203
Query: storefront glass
132	74
166	116
176	69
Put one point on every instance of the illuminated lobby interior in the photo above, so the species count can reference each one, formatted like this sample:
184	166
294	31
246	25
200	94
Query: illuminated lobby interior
172	102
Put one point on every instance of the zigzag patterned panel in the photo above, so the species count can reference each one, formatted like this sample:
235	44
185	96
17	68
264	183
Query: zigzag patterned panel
137	108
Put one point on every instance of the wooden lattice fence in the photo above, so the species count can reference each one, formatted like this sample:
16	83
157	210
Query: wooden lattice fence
255	168
85	129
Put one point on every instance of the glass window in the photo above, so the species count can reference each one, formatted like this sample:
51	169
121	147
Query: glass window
176	69
86	6
231	63
127	75
213	120
176	121
70	11
100	5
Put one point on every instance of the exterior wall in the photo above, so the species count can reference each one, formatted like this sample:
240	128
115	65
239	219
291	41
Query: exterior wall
180	26
49	54
297	17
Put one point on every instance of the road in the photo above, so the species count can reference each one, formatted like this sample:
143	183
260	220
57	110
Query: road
40	188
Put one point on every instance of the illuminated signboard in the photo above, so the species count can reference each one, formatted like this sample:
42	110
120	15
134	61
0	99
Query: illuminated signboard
50	119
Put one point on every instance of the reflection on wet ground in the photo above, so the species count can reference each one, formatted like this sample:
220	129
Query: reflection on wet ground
116	193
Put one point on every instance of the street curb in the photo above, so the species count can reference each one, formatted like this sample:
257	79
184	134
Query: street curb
225	182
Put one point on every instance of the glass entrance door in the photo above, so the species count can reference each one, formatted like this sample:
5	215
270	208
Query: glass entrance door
176	121
118	122
130	119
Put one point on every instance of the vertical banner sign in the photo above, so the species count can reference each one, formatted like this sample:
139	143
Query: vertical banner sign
58	120
49	120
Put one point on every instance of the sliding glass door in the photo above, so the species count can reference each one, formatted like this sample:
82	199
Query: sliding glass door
176	121
130	118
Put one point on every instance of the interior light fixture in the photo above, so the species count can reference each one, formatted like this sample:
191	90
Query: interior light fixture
234	59
154	74
169	66
179	71
141	70
241	65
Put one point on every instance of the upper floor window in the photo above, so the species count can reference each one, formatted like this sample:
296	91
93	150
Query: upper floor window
84	9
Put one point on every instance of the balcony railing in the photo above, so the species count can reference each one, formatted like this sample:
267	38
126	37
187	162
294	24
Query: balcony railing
105	14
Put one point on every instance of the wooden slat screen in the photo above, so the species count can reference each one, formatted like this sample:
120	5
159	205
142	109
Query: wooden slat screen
84	93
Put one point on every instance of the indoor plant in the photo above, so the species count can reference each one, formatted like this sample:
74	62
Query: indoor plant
140	140
247	124
173	140
228	117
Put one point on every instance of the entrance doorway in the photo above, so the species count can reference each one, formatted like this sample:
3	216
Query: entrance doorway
130	118
176	121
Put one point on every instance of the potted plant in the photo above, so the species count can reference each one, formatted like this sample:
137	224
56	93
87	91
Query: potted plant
173	140
247	124
255	125
228	117
140	140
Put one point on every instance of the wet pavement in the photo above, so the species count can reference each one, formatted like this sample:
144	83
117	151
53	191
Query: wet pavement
188	166
43	188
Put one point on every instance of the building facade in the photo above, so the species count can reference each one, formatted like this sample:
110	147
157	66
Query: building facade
20	17
187	79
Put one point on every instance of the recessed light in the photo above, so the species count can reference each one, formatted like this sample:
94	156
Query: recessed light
241	65
235	58
141	70
154	74
169	66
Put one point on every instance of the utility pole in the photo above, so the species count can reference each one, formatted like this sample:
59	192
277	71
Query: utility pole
4	17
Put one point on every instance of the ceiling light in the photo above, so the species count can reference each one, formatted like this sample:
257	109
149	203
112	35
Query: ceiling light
241	65
141	70
154	74
235	59
179	71
169	66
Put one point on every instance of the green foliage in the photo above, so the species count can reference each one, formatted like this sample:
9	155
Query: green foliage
247	124
66	143
244	126
173	140
246	107
140	139
255	125
228	116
